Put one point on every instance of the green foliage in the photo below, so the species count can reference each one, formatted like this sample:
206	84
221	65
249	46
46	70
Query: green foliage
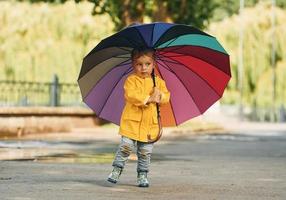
122	12
229	7
39	40
258	37
196	13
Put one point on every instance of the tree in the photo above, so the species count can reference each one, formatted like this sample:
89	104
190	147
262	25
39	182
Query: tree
195	12
124	12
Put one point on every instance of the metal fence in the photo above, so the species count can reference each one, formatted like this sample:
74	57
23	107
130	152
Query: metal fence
54	93
25	93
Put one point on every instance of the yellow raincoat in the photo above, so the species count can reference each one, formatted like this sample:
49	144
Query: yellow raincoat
139	119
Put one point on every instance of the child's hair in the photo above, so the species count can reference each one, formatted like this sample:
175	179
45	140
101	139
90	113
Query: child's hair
142	51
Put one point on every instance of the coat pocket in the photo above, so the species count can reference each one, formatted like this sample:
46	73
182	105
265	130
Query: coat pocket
132	113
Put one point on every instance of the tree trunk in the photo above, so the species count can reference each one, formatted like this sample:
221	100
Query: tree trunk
129	17
160	12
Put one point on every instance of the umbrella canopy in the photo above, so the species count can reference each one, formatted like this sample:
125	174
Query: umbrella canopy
193	64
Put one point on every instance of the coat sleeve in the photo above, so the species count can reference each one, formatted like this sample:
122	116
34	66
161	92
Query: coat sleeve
165	93
133	95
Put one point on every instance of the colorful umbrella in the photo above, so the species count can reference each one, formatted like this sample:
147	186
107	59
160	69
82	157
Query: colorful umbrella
193	64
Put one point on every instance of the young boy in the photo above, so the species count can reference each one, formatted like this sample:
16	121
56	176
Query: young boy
139	117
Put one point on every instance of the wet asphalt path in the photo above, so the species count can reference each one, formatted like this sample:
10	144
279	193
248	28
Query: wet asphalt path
235	166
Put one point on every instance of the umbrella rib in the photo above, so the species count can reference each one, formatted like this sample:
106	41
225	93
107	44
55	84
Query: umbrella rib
128	40
170	99
176	62
118	56
94	50
171	41
199	59
119	65
170	69
165	52
141	36
132	42
125	49
126	72
181	46
121	56
187	33
175	38
101	61
152	34
204	61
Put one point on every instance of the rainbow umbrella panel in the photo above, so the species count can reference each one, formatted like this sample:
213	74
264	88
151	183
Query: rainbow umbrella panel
193	64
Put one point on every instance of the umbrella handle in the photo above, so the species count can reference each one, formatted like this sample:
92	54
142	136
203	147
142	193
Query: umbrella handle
158	116
158	135
154	85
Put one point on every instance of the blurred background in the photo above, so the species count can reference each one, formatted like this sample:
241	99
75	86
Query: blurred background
42	44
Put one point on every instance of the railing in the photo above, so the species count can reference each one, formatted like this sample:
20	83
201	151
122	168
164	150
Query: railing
25	93
54	93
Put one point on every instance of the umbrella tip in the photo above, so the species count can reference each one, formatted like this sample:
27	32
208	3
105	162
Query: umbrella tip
134	24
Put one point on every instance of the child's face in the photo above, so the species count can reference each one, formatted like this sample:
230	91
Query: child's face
143	65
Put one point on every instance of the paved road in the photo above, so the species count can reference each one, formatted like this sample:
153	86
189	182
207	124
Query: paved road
234	166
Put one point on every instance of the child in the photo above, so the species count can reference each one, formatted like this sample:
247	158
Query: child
139	117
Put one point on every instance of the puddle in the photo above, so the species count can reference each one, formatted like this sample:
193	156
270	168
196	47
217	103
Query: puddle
76	158
57	151
66	152
54	156
45	144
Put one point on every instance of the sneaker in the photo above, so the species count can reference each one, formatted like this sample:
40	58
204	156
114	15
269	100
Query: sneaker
114	175
142	180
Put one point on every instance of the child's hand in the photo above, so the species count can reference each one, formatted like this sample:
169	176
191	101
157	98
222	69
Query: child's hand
155	97
156	92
